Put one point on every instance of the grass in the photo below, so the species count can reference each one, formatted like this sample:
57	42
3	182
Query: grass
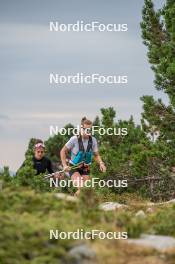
27	216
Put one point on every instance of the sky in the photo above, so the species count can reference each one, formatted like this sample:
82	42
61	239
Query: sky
29	52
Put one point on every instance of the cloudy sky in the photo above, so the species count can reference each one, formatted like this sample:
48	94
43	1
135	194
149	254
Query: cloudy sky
29	52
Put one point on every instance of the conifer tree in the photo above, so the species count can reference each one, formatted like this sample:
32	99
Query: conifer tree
158	32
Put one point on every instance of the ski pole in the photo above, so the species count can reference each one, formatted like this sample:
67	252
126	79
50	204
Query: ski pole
62	171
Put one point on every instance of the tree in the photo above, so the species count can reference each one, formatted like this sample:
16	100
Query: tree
158	33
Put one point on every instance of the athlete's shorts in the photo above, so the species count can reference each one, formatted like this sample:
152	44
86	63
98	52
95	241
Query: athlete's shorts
83	170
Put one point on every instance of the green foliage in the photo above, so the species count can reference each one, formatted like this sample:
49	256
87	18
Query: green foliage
164	222
89	205
161	222
5	175
159	36
26	173
26	218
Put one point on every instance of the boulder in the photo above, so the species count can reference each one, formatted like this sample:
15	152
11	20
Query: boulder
111	206
63	196
140	214
154	241
150	210
82	254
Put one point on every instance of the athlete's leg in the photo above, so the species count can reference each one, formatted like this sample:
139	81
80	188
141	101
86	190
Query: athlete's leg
77	181
85	178
85	174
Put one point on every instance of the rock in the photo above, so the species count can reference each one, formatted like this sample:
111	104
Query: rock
171	201
71	198
162	203
82	254
111	206
66	197
154	241
140	214
150	210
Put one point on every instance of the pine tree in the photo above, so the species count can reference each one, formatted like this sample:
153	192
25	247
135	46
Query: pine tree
25	175
158	32
158	119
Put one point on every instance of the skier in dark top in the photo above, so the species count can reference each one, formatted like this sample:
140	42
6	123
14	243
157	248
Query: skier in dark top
40	163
